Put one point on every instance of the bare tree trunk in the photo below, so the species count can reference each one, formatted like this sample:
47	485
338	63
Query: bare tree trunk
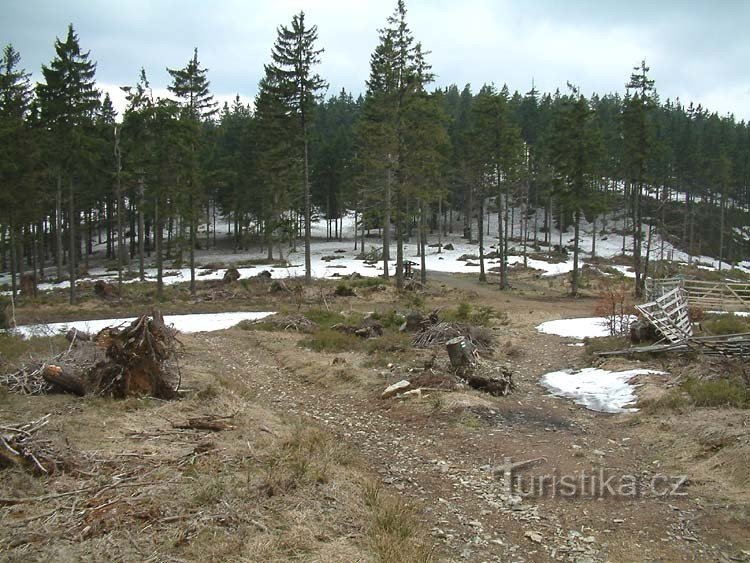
574	278
120	211
422	245
593	238
208	224
721	229
387	223
158	243
399	241
480	230
308	226
73	224
501	233
58	227
13	261
637	239
193	242
141	230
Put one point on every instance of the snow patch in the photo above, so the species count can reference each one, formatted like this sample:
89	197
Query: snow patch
198	322
596	389
585	327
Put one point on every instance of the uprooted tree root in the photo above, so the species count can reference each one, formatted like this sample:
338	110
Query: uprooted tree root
139	359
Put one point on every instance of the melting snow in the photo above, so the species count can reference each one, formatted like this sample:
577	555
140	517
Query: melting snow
596	389
586	327
199	322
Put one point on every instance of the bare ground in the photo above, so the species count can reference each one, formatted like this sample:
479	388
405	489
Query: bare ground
299	475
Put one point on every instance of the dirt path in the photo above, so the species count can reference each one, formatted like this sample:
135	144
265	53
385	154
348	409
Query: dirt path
440	452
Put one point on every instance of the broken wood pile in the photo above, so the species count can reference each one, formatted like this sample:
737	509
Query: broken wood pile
728	346
19	447
488	376
139	359
297	323
440	333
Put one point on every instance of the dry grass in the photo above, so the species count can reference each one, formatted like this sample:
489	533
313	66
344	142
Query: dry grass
393	531
271	489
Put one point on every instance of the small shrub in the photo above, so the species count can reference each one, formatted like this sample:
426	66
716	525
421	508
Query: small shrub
463	311
391	319
717	393
415	300
343	290
208	491
327	340
306	457
367	282
616	305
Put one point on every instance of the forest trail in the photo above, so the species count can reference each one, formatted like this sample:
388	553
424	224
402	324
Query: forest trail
439	454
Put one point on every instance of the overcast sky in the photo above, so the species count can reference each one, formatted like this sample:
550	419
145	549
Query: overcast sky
697	51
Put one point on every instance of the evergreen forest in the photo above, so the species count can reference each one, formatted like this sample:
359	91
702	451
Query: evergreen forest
409	161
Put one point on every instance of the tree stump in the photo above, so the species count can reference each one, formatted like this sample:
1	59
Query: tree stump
28	285
104	290
231	275
460	352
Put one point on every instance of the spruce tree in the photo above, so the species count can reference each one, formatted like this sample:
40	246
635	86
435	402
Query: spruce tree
638	144
496	156
576	150
398	76
298	87
190	85
69	100
17	152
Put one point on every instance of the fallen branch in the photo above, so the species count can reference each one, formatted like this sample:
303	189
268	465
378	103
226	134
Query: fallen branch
213	424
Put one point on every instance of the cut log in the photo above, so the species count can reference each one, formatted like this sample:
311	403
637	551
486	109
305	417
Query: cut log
460	352
63	381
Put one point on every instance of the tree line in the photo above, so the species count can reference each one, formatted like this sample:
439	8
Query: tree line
405	159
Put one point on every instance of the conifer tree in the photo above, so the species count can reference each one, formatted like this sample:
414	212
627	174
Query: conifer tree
638	142
496	150
69	100
576	150
190	84
276	160
294	55
17	152
398	76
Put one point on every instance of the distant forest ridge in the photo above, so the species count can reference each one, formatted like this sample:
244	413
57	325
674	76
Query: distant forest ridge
401	157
